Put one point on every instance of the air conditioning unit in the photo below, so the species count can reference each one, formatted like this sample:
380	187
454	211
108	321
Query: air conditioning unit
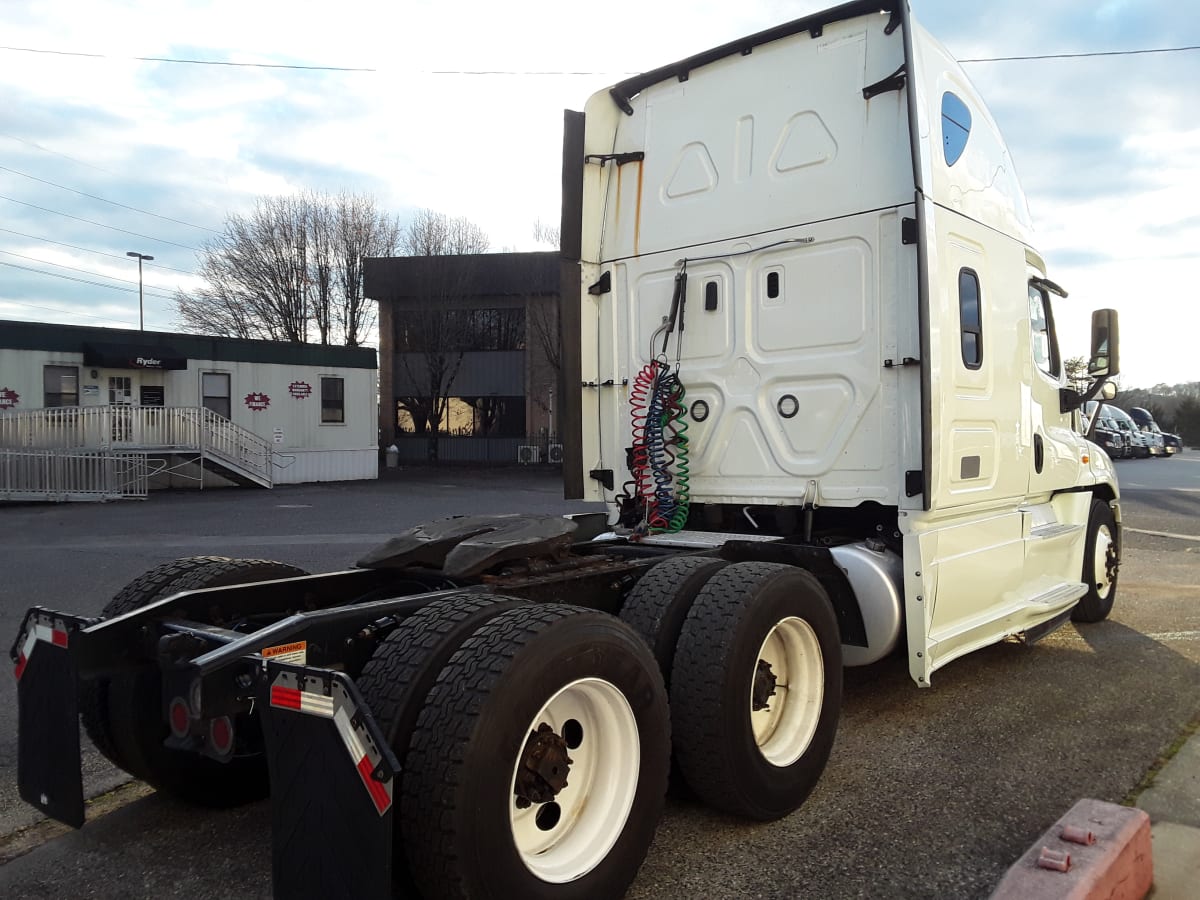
554	454
528	454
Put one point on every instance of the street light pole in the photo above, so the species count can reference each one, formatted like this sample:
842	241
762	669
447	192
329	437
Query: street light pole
141	313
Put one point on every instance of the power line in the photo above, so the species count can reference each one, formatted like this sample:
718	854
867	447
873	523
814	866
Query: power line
37	146
120	256
105	200
100	224
111	287
1082	55
46	262
69	312
193	62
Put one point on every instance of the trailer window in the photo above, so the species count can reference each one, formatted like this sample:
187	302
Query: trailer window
970	315
1041	322
333	400
214	392
60	386
956	127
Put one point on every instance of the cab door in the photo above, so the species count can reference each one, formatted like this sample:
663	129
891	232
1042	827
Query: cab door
1055	461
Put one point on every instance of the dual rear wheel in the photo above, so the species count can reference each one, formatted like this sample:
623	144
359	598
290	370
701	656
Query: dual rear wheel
752	654
532	738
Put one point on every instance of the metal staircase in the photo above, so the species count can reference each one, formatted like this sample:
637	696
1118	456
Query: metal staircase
105	452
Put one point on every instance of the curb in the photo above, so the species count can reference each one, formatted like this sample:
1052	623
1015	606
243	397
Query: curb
1109	856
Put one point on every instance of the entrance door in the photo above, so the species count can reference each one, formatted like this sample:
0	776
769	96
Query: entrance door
120	390
120	394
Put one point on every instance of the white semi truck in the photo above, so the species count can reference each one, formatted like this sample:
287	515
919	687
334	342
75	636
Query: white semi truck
816	380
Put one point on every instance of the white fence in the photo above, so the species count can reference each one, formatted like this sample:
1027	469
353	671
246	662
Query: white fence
73	475
190	429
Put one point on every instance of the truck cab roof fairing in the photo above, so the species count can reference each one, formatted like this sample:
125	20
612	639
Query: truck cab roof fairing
981	183
622	92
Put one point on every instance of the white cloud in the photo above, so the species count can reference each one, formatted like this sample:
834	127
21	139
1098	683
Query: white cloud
1107	148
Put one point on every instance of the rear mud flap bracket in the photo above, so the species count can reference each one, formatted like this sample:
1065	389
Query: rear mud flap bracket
332	786
48	766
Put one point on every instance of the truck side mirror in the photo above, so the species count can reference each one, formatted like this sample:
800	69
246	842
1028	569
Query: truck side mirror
1108	391
1104	361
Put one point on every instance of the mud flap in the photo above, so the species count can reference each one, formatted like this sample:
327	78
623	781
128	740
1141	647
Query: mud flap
48	761
332	776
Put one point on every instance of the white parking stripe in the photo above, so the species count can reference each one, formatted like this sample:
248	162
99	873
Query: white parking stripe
1166	534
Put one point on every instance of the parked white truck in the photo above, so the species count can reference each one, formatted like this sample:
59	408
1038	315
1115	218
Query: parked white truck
818	384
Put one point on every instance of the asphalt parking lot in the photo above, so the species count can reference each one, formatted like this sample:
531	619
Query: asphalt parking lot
929	793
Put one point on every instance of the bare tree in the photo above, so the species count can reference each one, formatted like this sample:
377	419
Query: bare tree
293	261
320	259
361	231
256	275
547	234
433	333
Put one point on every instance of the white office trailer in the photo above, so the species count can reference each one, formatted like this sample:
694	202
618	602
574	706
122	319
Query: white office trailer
196	410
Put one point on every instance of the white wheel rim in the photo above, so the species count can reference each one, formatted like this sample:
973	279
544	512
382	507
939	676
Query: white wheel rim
785	728
1100	553
601	784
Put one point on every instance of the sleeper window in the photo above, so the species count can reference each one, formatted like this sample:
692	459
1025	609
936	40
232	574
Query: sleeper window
970	314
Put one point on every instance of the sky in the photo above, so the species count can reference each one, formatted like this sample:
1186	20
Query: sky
1107	148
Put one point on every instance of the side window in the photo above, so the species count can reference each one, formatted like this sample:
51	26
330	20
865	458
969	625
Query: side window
333	400
1041	323
214	392
956	127
970	317
60	386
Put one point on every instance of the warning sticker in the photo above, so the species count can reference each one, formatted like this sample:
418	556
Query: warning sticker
296	653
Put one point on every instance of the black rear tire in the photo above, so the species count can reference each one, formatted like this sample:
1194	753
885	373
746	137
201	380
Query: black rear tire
403	669
137	727
1101	560
719	664
658	604
480	720
155	584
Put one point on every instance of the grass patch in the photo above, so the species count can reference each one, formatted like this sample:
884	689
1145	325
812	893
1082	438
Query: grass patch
1161	760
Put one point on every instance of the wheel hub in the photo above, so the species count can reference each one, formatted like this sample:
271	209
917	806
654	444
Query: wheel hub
1111	563
543	768
764	686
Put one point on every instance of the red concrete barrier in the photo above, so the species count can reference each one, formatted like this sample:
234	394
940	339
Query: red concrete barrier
1117	866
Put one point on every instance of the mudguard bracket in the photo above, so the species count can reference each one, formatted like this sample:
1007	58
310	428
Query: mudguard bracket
332	786
48	761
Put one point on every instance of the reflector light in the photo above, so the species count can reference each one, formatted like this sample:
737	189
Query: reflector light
375	788
178	714
220	734
38	630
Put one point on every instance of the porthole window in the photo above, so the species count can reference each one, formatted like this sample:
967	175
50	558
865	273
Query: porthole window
956	127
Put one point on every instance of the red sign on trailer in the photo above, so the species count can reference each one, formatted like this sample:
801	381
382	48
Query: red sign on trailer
300	389
9	398
257	401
